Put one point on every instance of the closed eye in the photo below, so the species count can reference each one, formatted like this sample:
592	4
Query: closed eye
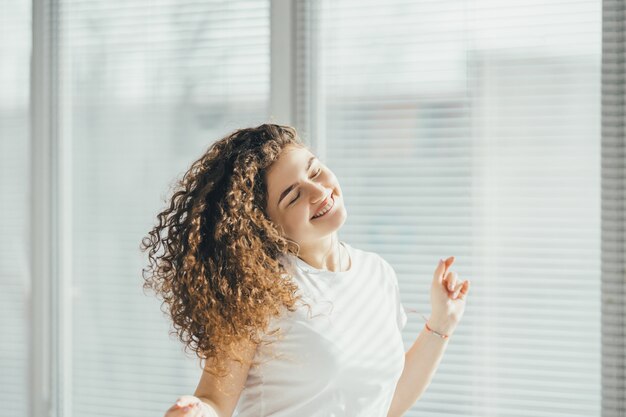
314	176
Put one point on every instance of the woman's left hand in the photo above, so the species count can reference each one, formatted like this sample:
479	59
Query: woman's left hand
448	296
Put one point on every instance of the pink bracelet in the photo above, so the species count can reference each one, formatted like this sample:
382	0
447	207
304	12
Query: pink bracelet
443	336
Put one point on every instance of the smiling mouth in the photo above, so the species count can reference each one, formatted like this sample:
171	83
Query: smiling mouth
332	205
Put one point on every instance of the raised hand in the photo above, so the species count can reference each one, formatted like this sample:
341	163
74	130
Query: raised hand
190	406
448	297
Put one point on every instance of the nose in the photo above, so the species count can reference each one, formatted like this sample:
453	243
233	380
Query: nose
319	194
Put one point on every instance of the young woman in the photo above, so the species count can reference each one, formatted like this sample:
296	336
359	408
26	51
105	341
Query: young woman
288	319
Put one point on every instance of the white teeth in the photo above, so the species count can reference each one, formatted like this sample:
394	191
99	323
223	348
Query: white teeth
325	209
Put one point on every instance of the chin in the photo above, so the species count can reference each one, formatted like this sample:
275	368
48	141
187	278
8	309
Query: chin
333	224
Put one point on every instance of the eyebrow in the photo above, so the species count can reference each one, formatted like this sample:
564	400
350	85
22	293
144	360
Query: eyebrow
291	187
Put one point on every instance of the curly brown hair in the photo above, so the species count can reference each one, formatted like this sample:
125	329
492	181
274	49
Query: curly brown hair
214	254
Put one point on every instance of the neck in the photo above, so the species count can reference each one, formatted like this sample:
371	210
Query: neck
324	254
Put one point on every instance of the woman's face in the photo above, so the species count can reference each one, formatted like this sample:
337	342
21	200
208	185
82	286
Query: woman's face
299	187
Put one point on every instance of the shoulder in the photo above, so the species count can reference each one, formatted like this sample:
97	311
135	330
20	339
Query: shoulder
372	258
378	263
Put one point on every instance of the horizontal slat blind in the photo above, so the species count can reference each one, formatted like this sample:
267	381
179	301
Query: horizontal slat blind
472	129
145	88
15	54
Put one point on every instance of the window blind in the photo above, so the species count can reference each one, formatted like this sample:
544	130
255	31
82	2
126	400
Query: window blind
472	129
144	89
15	49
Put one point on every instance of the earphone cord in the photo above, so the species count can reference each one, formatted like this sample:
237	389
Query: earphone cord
339	249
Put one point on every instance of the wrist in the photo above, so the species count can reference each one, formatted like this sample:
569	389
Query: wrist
441	326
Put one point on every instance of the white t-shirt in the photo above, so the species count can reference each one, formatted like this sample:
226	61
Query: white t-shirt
344	358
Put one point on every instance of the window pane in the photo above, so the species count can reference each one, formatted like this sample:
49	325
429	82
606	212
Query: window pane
473	129
146	88
15	50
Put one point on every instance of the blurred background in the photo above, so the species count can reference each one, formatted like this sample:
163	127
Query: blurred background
470	128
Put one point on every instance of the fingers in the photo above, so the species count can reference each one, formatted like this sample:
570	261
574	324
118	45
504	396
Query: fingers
465	288
184	400
192	410
461	290
438	275
189	410
176	412
456	289
185	404
442	269
450	281
448	263
196	412
202	410
172	410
